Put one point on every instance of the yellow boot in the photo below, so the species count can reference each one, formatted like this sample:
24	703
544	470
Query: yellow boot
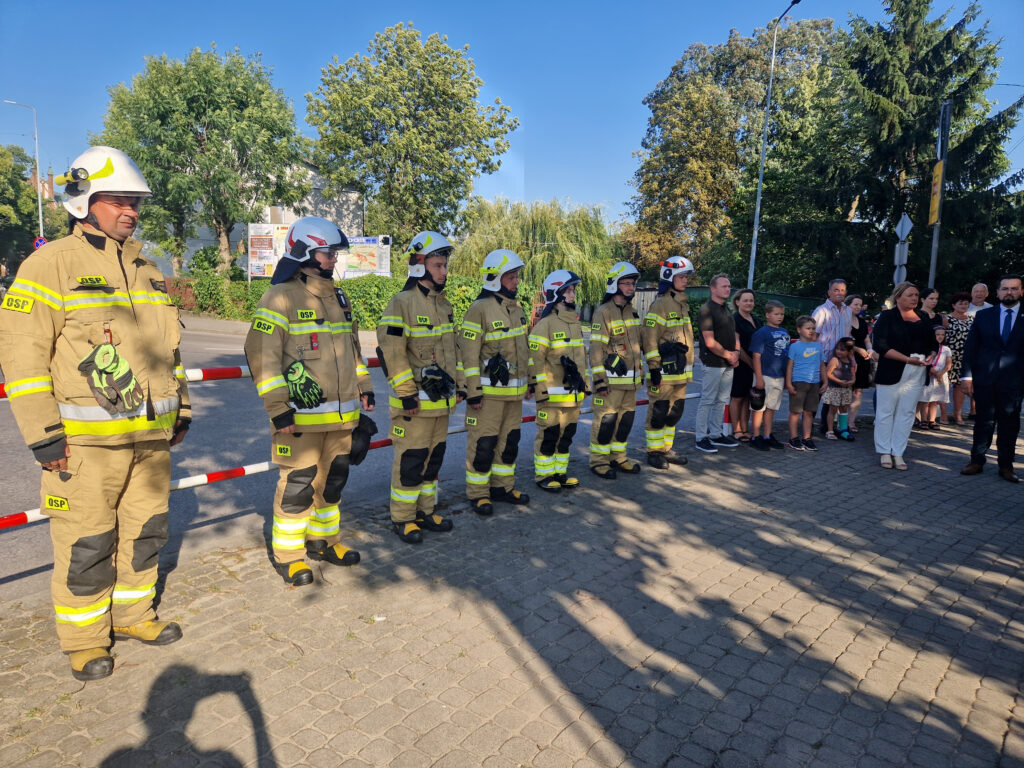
151	632
93	664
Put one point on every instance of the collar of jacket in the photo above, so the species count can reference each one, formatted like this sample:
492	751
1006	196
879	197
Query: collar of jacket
130	248
318	286
428	291
561	309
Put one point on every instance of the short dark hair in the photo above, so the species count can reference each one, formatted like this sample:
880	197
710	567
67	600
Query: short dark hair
714	280
1010	277
804	320
740	292
959	296
835	281
850	299
773	304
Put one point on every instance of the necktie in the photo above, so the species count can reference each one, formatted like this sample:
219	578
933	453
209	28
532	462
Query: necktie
1006	325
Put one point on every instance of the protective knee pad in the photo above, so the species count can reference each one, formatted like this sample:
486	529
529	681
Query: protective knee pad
411	466
92	564
549	441
676	413
434	462
484	457
508	456
146	550
337	476
566	440
607	428
625	425
659	412
298	490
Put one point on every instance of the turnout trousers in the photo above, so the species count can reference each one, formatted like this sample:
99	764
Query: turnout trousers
556	427
313	471
613	420
663	413
492	445
419	445
108	521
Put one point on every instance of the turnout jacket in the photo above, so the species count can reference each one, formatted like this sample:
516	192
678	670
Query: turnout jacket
616	331
416	331
70	296
666	321
307	318
558	333
495	324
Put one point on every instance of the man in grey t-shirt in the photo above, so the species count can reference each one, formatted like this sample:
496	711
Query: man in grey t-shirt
719	352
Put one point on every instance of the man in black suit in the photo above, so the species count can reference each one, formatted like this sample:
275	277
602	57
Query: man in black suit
993	373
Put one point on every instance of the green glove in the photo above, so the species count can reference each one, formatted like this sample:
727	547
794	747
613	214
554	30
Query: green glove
302	388
111	380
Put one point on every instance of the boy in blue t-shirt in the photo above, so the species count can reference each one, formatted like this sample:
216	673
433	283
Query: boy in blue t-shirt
769	349
805	381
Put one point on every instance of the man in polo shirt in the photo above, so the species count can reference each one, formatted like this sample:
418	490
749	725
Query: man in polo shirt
719	352
833	320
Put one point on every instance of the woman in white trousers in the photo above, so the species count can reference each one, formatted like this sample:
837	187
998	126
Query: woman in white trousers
905	343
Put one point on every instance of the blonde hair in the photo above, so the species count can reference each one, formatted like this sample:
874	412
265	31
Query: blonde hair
900	289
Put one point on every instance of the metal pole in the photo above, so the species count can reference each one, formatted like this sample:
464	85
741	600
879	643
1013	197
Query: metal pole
942	153
39	171
764	150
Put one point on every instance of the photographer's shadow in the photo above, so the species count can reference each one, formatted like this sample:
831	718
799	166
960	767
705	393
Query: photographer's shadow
171	705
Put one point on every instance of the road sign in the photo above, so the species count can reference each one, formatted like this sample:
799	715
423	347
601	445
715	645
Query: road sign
901	253
904	227
899	274
933	204
38	243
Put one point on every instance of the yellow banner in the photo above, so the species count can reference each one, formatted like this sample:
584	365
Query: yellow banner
933	207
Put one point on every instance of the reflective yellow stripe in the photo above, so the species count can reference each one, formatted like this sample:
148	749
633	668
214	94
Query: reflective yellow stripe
270	384
503	470
124	595
471	326
601	449
409	497
426	405
539	340
575	397
401	378
289	533
272	317
509	334
31	386
74	427
429	489
478	478
506	391
309	419
82	617
35	290
179	372
325	521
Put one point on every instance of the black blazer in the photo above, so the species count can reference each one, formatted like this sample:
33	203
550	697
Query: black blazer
989	361
891	331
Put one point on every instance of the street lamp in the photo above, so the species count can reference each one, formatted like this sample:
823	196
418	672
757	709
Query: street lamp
764	148
39	172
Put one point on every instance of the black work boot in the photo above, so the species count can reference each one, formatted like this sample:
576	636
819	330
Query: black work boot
568	483
298	574
410	533
604	471
657	460
509	497
483	507
675	458
551	484
93	664
433	522
628	466
335	554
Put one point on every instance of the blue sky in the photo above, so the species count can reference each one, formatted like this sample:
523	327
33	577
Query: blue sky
575	73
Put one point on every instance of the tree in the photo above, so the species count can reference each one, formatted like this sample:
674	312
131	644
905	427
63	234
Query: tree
404	126
901	72
546	236
19	212
215	140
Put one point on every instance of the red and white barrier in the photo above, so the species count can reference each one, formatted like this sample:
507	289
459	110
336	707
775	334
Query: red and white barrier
195	481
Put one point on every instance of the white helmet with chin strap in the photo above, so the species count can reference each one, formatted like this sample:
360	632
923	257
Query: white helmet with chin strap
556	283
496	264
675	265
426	244
100	169
305	235
619	271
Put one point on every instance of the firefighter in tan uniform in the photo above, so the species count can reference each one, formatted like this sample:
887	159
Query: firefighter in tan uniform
303	351
494	350
89	346
616	368
668	341
558	360
417	351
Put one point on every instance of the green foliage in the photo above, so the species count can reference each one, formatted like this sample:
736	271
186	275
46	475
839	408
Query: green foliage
546	236
211	293
19	212
403	124
215	140
207	259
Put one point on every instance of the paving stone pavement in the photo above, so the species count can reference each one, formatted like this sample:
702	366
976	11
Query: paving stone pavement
762	610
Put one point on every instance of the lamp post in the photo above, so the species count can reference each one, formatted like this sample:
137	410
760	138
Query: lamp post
39	172
764	148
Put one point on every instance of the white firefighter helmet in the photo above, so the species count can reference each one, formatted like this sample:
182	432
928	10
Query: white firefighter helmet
425	244
496	264
618	271
305	235
556	283
100	169
675	265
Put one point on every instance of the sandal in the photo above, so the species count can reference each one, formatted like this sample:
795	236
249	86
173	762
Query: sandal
934	425
886	461
845	435
830	435
743	437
